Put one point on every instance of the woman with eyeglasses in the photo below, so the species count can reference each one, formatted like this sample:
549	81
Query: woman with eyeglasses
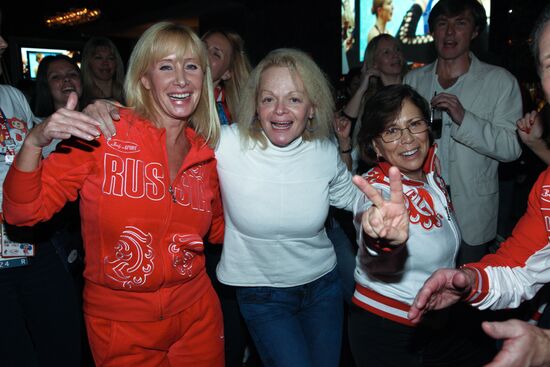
405	192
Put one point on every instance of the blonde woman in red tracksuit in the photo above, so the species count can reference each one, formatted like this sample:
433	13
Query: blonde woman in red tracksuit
149	195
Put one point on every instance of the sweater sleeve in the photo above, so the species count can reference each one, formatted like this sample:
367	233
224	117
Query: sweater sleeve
32	197
342	192
520	267
217	228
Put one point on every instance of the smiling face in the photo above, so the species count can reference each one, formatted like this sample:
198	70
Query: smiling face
219	55
283	106
63	78
388	57
453	35
410	151
175	86
103	63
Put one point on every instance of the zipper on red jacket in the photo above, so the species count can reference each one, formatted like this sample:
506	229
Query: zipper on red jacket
172	193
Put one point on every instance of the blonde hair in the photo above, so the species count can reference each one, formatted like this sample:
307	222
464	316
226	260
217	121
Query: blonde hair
317	89
160	40
88	85
239	65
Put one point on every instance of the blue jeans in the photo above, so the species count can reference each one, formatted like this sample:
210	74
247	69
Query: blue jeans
297	326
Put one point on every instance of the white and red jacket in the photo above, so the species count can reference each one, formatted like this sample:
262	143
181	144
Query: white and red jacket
521	266
142	233
387	281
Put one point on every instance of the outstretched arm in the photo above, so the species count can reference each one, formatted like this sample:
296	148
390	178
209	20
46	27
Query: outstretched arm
524	344
443	288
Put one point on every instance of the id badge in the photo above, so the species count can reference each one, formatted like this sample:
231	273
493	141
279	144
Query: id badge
14	249
8	158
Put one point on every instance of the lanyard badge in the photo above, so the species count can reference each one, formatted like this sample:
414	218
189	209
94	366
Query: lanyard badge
7	149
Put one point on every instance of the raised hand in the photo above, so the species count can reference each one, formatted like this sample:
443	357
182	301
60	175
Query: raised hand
342	128
524	344
385	219
62	124
442	289
530	128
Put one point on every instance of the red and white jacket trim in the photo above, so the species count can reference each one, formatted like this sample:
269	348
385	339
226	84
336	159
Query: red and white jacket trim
381	305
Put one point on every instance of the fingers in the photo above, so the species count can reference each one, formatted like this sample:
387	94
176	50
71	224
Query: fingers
503	330
373	223
104	112
66	122
72	101
524	124
396	186
373	194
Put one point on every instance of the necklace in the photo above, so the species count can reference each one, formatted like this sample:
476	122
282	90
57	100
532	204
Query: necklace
378	29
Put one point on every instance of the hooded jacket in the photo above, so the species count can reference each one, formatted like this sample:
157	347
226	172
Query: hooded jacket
142	233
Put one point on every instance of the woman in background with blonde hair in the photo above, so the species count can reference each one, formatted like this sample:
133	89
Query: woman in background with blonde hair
230	69
102	71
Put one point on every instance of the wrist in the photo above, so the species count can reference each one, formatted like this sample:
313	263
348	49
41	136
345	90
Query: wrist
346	115
345	146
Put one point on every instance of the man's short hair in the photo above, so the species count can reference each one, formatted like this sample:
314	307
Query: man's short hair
452	8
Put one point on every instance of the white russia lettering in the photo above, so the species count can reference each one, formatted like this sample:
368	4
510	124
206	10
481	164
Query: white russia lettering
133	178
136	179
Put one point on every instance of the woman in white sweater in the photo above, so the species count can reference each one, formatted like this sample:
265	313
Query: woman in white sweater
279	172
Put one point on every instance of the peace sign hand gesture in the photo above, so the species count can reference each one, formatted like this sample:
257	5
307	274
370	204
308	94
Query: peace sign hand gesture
385	219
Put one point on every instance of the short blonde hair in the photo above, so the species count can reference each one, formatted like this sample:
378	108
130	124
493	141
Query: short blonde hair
317	89
160	40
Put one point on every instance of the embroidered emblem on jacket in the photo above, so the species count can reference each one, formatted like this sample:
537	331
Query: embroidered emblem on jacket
421	208
123	146
183	249
132	261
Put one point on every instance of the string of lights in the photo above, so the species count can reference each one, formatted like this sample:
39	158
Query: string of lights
73	17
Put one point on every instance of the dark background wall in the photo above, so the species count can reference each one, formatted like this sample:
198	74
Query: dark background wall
311	25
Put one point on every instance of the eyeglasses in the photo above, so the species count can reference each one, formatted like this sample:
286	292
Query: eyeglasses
394	133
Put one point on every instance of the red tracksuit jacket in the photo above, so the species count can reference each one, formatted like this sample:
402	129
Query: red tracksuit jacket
142	233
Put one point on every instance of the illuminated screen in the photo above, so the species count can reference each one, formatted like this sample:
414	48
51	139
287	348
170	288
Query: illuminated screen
31	57
359	25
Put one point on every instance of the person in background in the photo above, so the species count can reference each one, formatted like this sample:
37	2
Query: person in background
39	299
480	104
383	11
520	267
56	78
383	65
148	196
230	69
102	71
